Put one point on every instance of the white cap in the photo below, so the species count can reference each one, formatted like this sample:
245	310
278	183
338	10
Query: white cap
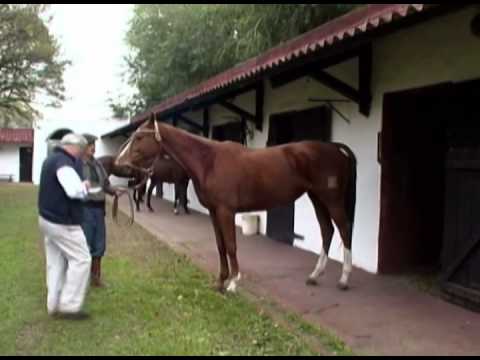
74	139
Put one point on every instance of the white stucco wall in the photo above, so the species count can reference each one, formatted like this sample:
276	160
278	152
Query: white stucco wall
430	53
10	160
43	129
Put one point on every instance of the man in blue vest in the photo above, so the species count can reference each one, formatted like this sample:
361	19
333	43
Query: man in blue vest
60	217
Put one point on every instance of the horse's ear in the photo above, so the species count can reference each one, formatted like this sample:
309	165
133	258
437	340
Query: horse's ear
158	136
154	118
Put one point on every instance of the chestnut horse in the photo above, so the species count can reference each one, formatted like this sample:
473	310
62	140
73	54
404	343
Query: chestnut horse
230	178
167	170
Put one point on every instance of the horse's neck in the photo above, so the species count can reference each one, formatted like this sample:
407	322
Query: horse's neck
191	152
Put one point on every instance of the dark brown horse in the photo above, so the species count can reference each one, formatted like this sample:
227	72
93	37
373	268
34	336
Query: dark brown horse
167	170
230	178
136	177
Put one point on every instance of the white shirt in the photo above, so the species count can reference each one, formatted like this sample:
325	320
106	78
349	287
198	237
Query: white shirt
71	183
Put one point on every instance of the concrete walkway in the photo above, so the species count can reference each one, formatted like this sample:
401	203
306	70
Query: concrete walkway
380	315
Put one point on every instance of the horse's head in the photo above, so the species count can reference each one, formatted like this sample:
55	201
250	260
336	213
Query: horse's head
142	148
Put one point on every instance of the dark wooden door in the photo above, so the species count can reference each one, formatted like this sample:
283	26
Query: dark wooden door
312	124
26	154
413	170
461	256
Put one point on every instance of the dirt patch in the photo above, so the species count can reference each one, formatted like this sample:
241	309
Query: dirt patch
29	337
134	241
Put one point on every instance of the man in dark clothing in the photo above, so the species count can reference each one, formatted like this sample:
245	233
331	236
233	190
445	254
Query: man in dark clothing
94	211
60	217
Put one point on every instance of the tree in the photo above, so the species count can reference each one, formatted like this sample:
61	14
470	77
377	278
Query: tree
30	67
176	46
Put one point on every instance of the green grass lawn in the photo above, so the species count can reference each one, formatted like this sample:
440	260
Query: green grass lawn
157	303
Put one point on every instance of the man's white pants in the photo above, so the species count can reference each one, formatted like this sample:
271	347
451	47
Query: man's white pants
68	263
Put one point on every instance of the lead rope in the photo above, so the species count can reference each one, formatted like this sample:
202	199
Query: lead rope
115	207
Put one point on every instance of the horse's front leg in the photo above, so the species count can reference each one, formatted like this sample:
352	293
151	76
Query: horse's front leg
185	207
226	219
224	272
149	196
136	199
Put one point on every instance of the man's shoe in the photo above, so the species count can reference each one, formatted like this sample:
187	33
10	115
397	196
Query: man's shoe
97	273
81	315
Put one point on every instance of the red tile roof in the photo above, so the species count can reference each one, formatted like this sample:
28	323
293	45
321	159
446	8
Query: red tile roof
350	25
16	136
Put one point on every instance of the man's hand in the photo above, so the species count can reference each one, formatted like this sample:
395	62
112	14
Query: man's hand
87	184
120	191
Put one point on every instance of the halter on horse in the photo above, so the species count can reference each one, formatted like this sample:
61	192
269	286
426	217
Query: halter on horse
108	163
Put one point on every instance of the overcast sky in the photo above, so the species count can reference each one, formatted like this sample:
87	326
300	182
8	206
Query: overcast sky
92	37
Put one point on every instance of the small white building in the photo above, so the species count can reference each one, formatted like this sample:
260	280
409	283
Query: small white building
16	149
411	76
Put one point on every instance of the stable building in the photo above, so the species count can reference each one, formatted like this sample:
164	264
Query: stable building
400	85
16	152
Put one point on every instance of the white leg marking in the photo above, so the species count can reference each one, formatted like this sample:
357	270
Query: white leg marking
347	267
321	265
232	287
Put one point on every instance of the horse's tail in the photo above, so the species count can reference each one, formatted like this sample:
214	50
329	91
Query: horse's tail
351	198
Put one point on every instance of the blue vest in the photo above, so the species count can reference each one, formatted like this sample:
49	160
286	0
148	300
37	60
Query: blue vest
53	203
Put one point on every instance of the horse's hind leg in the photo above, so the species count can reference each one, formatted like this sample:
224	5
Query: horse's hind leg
176	201
136	199
326	228
184	197
345	228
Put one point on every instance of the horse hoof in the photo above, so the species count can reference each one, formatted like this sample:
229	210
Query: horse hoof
232	288
151	210
311	282
342	287
220	289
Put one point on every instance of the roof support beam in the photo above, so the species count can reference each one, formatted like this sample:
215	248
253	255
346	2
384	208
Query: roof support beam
237	110
337	85
259	105
188	121
257	119
365	67
300	71
206	122
213	99
362	96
